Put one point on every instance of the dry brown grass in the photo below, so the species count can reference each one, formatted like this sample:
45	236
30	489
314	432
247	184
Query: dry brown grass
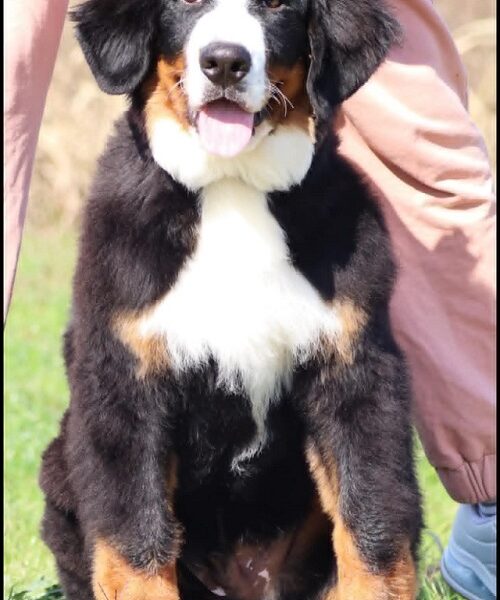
77	120
78	116
473	24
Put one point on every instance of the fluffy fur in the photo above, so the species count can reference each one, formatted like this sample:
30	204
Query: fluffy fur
239	419
240	301
266	164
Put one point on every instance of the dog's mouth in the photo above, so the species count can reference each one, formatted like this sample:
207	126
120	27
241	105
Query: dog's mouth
225	127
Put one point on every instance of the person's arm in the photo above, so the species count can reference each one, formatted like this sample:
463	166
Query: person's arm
32	30
409	130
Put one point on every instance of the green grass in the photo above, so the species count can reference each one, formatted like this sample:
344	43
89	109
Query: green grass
35	396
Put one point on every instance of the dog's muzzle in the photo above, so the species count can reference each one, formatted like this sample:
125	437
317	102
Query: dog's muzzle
224	122
224	64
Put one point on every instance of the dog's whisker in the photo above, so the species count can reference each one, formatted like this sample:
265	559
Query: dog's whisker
285	98
180	83
276	92
102	590
276	97
279	102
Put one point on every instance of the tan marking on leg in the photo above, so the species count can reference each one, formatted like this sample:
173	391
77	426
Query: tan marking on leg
164	94
326	482
353	319
402	579
355	579
114	579
291	81
150	351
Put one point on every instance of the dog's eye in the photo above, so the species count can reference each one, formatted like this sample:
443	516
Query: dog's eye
193	1
273	4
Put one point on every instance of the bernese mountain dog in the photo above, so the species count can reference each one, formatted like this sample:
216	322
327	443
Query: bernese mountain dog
239	424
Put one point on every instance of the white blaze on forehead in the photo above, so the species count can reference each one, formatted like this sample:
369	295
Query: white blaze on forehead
230	22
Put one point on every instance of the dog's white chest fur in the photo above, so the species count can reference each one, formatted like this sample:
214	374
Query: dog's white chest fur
240	300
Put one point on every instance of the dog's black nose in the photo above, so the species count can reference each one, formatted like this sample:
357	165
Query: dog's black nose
225	64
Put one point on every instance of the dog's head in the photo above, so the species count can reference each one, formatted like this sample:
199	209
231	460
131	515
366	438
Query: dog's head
231	73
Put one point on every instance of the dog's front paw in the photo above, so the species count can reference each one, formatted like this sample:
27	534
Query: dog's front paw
114	578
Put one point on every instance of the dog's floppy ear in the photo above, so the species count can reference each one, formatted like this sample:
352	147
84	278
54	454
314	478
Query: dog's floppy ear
116	37
348	40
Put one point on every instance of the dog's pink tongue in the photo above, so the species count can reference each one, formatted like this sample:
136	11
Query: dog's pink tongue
224	128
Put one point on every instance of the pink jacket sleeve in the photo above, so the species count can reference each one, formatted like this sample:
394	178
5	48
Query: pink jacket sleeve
408	129
32	34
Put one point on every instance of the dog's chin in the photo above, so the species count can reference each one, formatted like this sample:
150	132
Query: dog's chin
226	127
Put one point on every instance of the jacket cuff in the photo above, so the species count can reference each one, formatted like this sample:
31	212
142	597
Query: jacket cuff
472	482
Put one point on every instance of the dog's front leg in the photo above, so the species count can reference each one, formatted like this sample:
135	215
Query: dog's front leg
122	470
115	579
116	575
360	456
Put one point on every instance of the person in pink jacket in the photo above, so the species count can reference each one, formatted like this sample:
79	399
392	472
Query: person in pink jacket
409	130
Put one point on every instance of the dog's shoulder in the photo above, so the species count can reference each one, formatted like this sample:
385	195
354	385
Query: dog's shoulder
336	229
137	226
